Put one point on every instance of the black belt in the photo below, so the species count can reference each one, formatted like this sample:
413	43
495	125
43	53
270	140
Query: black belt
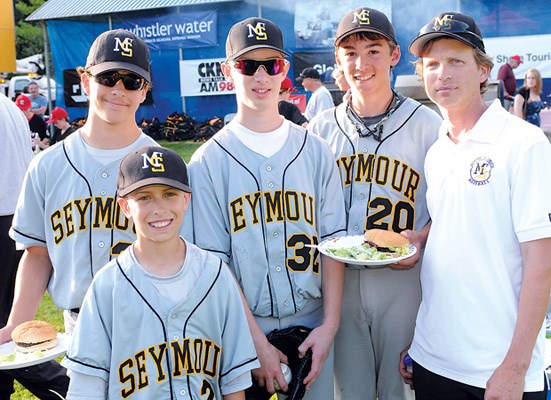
75	310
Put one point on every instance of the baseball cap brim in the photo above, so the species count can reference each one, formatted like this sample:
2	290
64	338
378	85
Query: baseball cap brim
154	181
119	65
256	47
416	46
339	39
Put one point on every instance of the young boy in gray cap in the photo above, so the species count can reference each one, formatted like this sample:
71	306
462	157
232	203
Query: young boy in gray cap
486	273
67	218
379	139
265	192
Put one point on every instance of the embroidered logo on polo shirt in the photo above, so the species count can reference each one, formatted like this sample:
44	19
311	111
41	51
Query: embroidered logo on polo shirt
481	170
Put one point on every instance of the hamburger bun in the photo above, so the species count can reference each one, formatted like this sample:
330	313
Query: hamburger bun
385	239
34	336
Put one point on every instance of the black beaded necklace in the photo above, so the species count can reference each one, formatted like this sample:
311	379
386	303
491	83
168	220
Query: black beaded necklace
377	129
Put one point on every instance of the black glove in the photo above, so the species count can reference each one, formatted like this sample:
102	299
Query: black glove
288	341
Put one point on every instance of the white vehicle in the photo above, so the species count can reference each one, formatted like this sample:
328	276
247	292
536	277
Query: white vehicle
18	84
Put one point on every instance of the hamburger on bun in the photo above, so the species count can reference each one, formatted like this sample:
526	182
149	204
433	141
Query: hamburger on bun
387	241
34	336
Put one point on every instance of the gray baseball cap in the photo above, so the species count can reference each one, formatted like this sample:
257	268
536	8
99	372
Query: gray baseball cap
119	49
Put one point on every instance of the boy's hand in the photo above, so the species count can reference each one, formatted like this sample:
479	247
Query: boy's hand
270	368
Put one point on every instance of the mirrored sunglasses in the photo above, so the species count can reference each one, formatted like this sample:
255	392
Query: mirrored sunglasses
130	81
249	67
449	25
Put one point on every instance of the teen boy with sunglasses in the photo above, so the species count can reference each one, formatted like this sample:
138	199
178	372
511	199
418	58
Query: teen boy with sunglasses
265	191
67	217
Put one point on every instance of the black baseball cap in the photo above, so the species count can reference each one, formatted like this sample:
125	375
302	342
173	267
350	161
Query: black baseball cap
252	34
365	19
119	49
152	165
451	24
308	73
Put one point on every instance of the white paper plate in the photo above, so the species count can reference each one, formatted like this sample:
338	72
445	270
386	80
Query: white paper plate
25	360
358	240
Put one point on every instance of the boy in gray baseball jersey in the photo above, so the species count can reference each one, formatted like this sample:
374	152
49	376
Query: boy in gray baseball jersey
67	218
165	317
266	190
379	139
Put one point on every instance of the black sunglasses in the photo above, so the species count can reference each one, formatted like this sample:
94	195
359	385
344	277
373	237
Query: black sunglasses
449	25
249	67
130	81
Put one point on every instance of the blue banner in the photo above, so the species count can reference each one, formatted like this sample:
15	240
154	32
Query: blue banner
174	31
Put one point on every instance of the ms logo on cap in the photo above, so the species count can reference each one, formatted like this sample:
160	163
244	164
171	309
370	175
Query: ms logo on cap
124	45
259	30
443	23
155	161
361	18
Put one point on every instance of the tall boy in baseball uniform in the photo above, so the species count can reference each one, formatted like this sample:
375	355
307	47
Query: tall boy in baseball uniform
266	191
486	273
379	139
165	317
67	218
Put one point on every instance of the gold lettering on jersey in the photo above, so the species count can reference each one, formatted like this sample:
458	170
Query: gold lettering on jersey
188	356
104	211
155	162
276	206
143	379
127	377
382	171
125	47
76	215
258	31
361	18
157	353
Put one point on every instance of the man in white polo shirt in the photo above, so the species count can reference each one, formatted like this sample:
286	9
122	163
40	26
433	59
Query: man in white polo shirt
321	98
486	271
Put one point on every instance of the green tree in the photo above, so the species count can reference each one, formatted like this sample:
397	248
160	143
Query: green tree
29	37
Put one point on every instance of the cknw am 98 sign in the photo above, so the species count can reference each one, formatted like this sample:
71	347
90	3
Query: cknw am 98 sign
203	78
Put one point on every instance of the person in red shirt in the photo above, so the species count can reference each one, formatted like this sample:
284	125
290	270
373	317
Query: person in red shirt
507	75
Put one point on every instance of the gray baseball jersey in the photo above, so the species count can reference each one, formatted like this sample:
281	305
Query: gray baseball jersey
383	181
260	214
384	188
68	204
145	348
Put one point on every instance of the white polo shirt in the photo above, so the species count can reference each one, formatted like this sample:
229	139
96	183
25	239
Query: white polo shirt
486	195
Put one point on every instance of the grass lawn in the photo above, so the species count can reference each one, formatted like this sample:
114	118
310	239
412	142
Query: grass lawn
48	311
